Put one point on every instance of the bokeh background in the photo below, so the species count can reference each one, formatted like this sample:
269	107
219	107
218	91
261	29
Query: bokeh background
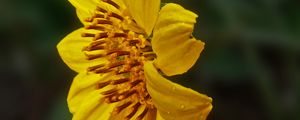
250	65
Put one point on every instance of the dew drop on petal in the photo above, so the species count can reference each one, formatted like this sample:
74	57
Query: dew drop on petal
201	117
173	88
182	106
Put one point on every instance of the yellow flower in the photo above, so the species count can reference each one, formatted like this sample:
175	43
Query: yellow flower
121	55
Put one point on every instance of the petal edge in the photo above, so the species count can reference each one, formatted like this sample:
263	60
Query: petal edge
178	103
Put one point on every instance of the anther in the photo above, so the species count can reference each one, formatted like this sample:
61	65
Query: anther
87	35
102	70
123	72
92	57
147	97
150	55
120	81
98	42
103	84
126	94
97	15
111	98
119	52
108	92
133	110
101	35
136	82
142	115
95	27
122	107
115	15
120	35
104	22
147	49
135	63
98	47
101	9
116	64
95	67
133	42
112	3
88	19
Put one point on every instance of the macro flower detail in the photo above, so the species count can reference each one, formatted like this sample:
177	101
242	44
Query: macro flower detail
121	55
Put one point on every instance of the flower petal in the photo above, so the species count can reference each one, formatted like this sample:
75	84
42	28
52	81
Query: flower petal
94	107
86	8
144	12
158	117
70	50
173	101
176	50
83	85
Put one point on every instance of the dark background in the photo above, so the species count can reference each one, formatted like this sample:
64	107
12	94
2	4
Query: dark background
250	65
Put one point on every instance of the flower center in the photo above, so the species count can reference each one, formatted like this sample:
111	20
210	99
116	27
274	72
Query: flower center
126	51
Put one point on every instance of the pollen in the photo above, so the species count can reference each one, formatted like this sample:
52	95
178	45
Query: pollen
126	52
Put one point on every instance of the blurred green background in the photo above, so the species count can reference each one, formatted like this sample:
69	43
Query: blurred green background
250	65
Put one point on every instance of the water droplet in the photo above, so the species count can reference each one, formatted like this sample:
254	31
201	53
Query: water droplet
173	88
201	117
182	106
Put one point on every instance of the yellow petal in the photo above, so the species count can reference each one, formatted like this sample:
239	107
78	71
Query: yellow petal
86	8
173	101
82	86
93	107
176	50
70	50
144	12
158	117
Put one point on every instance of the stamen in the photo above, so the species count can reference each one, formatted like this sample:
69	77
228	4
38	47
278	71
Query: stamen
119	52
142	115
134	83
112	3
104	22
126	94
115	15
135	63
101	35
95	27
133	110
97	15
103	84
122	107
116	64
111	98
119	81
133	42
98	42
92	48
102	71
87	35
108	92
92	57
147	49
95	67
149	55
101	9
120	35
